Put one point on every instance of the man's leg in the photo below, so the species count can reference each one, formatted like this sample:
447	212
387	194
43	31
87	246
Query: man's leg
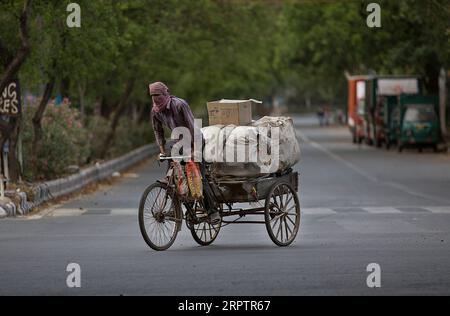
209	199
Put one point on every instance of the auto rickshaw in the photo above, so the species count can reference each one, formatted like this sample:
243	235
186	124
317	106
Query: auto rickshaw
419	125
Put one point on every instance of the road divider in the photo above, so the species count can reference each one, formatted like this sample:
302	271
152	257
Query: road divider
49	190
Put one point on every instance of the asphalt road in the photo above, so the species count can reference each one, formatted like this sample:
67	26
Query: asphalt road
360	206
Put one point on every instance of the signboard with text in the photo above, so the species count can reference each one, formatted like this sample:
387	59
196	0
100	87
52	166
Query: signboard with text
10	99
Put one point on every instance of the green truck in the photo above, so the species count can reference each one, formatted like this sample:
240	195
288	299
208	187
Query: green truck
415	122
381	98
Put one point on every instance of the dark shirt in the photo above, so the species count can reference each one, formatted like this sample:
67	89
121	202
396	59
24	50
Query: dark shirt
177	113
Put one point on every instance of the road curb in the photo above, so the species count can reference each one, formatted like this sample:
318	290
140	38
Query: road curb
49	190
7	208
3	213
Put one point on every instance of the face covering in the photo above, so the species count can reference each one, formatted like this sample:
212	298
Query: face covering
160	95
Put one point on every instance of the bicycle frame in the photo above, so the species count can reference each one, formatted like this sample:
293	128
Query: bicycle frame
190	217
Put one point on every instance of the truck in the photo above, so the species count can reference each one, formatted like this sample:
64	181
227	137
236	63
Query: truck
416	122
381	98
355	102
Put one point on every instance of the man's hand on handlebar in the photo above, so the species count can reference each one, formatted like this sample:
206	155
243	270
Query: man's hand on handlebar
162	155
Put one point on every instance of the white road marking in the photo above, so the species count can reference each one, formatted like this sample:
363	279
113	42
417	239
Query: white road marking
130	175
65	212
62	212
382	210
124	211
317	211
415	193
438	209
33	217
336	157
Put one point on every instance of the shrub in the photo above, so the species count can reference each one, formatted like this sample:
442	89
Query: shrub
64	142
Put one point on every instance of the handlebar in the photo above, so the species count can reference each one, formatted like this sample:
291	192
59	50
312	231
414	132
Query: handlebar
163	158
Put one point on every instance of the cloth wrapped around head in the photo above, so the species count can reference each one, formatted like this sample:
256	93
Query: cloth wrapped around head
160	95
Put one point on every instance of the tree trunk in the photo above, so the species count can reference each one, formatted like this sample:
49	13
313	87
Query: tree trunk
10	130
2	143
65	82
37	124
143	115
116	117
134	113
24	50
98	107
105	109
14	165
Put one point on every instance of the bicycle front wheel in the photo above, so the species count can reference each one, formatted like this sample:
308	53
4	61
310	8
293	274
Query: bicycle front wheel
160	216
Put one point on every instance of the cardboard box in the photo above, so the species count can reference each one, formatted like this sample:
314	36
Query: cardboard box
226	112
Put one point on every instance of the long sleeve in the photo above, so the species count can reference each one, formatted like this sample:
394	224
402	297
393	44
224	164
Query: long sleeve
159	131
188	118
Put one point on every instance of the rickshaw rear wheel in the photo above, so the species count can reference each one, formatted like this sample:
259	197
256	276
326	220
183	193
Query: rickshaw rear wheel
282	214
204	233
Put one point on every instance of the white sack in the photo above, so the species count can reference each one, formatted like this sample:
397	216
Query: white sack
211	137
238	150
289	149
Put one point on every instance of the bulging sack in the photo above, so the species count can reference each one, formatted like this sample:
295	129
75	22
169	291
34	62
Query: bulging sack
289	149
211	138
268	145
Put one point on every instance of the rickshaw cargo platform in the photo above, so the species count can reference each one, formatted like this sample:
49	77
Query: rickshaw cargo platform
251	190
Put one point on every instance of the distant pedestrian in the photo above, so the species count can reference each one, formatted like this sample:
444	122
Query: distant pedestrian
320	116
340	116
327	114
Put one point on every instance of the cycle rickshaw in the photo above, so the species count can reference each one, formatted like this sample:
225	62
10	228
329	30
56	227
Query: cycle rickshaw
161	208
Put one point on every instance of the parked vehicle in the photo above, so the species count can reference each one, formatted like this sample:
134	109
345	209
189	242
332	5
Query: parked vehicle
355	104
381	98
419	122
